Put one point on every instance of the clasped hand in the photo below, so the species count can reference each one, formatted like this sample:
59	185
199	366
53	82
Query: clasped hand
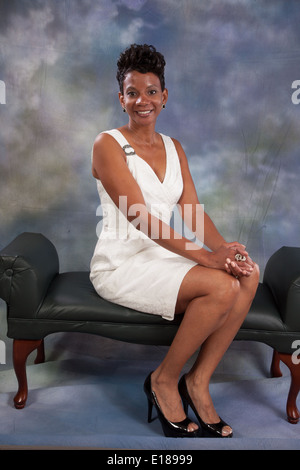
236	268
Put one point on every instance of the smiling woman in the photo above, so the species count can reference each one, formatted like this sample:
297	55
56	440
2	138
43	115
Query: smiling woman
142	95
143	100
137	266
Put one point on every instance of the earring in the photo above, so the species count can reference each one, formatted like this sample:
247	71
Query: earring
124	110
163	106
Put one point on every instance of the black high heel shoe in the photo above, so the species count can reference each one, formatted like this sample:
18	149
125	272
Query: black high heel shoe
170	428
210	430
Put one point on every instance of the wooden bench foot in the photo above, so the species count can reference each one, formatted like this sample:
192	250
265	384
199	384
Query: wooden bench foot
293	413
21	351
275	366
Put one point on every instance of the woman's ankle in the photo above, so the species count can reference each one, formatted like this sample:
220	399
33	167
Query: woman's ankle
163	378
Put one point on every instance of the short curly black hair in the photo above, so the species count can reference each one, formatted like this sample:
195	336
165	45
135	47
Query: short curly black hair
142	58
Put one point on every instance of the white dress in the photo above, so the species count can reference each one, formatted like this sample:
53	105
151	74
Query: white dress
127	267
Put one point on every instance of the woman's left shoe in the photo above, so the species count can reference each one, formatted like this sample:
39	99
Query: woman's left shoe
211	429
170	429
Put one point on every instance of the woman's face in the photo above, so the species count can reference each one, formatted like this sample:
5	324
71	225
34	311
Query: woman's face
142	97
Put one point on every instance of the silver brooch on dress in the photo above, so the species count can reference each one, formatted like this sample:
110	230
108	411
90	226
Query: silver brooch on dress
128	150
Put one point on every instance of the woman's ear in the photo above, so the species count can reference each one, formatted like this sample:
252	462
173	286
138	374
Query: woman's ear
165	94
121	99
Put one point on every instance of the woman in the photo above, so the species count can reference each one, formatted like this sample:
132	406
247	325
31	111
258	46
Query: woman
141	175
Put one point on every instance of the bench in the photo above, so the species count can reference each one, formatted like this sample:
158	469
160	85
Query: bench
41	301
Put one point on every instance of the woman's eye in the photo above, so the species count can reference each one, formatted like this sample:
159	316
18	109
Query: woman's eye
152	92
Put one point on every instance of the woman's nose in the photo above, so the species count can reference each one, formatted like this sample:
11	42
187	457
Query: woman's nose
142	99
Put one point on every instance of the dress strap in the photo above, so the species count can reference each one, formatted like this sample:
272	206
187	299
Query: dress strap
122	141
118	136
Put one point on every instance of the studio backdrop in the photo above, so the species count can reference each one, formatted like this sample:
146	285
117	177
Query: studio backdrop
233	75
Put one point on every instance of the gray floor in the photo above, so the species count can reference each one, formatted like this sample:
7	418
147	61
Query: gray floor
89	393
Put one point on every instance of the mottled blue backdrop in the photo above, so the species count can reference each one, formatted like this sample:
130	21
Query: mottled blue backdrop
231	66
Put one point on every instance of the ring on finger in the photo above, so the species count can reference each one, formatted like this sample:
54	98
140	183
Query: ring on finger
240	257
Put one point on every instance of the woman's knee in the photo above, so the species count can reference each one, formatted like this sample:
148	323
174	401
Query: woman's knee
206	283
226	292
256	273
250	283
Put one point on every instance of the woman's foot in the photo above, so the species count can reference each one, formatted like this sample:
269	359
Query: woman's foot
169	400
200	401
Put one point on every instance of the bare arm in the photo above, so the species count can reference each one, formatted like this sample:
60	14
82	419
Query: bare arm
207	233
210	235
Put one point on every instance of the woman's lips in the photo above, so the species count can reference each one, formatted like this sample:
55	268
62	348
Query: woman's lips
144	113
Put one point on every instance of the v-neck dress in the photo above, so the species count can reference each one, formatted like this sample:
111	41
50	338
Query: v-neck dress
127	267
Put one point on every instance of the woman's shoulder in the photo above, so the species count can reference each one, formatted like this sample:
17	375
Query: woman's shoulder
117	134
170	139
106	144
106	138
107	150
176	144
104	134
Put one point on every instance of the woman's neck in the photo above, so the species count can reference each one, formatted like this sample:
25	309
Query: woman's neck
146	135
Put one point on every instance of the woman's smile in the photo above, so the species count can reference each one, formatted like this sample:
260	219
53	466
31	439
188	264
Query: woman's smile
144	113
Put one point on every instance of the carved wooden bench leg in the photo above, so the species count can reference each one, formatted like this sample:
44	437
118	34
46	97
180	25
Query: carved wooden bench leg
275	366
293	413
21	351
40	356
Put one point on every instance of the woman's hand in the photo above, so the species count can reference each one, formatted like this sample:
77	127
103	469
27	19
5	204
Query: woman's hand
239	268
224	258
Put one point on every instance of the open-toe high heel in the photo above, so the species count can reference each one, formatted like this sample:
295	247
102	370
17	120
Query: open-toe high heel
210	429
170	428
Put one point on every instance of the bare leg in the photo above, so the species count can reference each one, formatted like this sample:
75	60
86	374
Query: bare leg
215	305
213	349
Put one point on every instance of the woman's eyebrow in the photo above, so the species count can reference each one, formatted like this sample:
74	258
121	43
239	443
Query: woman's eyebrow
131	87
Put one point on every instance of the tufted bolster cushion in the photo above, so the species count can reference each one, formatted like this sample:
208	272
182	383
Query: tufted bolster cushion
27	266
282	276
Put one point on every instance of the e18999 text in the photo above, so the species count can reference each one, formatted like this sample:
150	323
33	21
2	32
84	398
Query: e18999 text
168	459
